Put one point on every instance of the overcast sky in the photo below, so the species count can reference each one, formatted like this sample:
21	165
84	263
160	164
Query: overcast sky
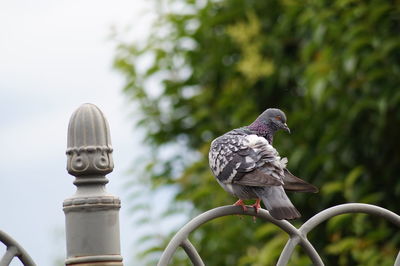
54	56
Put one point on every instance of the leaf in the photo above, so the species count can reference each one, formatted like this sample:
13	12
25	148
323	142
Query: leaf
342	246
337	223
349	182
332	188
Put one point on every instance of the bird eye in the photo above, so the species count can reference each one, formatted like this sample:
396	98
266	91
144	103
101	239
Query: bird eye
278	118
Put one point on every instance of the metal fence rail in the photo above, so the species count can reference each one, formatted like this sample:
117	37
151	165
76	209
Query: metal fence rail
14	250
296	236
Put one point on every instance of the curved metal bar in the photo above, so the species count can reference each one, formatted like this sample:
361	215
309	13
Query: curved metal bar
20	252
287	251
192	253
348	208
329	213
297	236
196	222
311	252
397	261
305	244
9	255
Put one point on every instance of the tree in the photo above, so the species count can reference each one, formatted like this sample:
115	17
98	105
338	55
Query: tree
332	66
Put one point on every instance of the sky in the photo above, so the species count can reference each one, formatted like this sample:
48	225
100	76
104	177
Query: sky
54	56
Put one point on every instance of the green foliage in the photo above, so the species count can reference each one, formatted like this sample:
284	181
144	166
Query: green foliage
332	66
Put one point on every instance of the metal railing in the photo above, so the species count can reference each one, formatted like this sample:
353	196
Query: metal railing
14	250
296	236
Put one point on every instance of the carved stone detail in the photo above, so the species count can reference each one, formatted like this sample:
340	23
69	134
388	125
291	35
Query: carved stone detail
89	149
92	204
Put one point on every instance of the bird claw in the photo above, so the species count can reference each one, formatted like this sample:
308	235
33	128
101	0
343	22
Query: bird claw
257	205
241	203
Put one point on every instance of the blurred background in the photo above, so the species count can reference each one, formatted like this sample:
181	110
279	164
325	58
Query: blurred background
188	72
332	66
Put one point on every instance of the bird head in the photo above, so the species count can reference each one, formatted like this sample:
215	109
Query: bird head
275	119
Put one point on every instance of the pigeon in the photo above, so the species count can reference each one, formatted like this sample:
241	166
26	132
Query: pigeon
247	166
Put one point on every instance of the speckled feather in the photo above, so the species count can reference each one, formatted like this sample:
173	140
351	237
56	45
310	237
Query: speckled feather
238	152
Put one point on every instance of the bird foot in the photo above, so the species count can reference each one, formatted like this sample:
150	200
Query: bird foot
241	203
256	207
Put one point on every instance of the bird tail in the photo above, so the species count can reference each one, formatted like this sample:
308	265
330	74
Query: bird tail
277	203
293	183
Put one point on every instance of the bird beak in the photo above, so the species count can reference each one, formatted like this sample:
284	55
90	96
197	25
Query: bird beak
286	128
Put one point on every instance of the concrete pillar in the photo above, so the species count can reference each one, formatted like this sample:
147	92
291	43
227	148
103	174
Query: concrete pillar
91	214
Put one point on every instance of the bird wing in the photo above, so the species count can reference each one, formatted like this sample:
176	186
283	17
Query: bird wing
245	160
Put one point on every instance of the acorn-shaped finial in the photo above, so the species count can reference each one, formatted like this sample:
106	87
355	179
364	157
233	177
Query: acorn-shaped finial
89	143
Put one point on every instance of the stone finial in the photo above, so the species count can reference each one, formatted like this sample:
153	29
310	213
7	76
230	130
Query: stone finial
91	214
89	143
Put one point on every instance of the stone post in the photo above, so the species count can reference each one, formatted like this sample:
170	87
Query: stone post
91	214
